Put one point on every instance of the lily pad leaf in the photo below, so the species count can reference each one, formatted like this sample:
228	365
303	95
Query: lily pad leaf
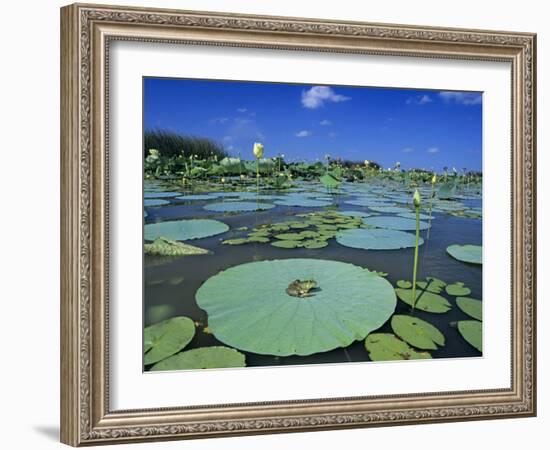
470	306
466	253
348	303
432	284
238	206
287	244
376	239
457	289
388	347
404	284
425	301
314	244
161	194
329	181
389	209
394	223
471	331
163	339
447	191
183	230
155	202
158	313
217	357
166	247
417	332
303	202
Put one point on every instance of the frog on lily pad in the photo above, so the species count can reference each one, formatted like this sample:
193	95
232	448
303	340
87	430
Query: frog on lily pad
302	289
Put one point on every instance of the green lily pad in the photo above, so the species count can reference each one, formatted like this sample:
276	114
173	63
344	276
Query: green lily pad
394	223
183	230
161	194
389	209
355	213
314	244
376	239
302	202
155	202
249	309
432	284
329	181
471	331
166	247
158	313
466	253
411	215
196	197
238	206
217	357
287	244
447	191
166	338
388	347
236	241
290	236
457	289
403	284
470	306
417	332
425	301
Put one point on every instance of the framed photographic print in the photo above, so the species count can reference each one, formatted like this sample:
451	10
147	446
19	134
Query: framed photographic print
277	224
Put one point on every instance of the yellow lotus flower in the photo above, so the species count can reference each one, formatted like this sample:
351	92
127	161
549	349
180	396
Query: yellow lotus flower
434	179
258	150
416	198
223	180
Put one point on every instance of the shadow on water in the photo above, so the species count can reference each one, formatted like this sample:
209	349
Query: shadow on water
195	270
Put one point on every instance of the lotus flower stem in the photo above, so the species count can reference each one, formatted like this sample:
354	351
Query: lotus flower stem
416	201
432	193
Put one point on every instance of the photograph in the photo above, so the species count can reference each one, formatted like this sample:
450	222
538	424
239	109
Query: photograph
297	224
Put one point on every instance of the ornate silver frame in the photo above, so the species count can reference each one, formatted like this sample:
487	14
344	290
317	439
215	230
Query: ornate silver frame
86	31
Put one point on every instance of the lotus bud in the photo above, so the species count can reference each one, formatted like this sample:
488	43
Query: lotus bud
223	180
416	198
258	150
242	176
367	162
434	179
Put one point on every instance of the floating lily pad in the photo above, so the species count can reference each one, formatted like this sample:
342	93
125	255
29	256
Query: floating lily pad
466	253
388	347
161	194
303	202
166	338
166	247
238	206
155	202
236	241
417	332
158	313
355	213
286	244
389	209
394	223
425	301
457	289
411	215
404	284
217	357
183	230
470	306
376	239
197	197
248	306
366	202
471	331
314	244
432	284
290	236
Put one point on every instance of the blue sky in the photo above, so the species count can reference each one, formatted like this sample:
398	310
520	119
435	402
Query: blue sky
419	128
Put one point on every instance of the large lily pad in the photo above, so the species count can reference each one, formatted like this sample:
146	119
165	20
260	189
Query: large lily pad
197	197
389	209
466	253
417	332
249	308
471	331
470	306
394	223
425	301
302	202
376	239
217	357
166	338
388	347
166	247
411	215
161	194
155	202
183	230
238	206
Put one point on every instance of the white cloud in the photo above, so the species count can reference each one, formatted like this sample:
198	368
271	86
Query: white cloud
240	121
325	122
242	110
462	98
318	95
303	133
433	150
408	150
332	134
227	138
419	100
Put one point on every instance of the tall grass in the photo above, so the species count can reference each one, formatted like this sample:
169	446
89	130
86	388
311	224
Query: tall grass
171	144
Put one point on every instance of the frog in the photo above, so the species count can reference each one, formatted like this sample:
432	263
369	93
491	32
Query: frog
302	289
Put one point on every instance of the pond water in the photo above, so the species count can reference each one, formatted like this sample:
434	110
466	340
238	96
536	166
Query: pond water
171	283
